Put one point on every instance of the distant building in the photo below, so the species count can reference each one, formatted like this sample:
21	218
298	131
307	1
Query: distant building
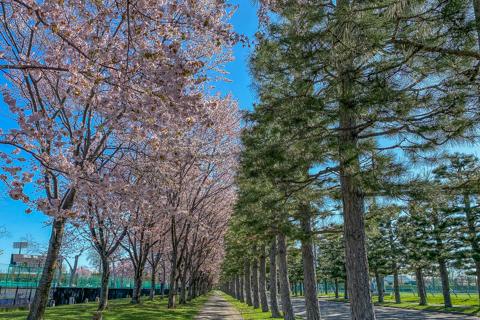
27	260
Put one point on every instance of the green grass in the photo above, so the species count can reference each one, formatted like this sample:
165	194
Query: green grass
462	303
247	312
120	309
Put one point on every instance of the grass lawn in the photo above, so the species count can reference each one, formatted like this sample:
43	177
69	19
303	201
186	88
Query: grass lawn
119	309
461	303
247	312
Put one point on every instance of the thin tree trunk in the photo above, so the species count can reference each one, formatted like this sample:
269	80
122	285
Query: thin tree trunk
309	276
262	280
248	280
379	280
183	289
345	291
470	216
396	285
283	279
73	271
422	293
242	288
103	300
336	288
445	283
255	292
40	300
172	288
153	283
273	280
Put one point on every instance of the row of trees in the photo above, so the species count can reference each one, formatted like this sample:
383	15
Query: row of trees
353	97
110	127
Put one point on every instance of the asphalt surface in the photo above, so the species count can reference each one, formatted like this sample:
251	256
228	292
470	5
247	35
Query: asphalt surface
341	311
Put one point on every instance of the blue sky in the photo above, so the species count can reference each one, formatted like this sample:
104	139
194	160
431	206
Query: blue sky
12	213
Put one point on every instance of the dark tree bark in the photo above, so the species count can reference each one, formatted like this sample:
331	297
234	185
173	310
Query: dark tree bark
361	305
242	288
396	285
445	283
379	280
255	292
248	281
137	284
422	293
309	276
345	291
283	278
40	300
153	283
336	288
237	287
262	280
104	284
273	280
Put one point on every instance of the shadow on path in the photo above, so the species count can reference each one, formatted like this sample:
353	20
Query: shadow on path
341	311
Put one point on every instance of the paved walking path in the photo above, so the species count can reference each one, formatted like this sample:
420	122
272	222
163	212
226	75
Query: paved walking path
217	308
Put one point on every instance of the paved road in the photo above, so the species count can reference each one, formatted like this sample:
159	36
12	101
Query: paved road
217	308
341	311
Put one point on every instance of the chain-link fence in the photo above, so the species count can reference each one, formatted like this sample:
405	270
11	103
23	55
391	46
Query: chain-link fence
19	276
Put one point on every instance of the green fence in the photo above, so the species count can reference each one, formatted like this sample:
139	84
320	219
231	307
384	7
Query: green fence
19	276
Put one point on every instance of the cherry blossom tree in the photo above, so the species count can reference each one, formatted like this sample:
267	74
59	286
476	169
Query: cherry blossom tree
88	79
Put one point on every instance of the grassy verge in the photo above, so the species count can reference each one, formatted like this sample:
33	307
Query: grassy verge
247	312
120	309
462	303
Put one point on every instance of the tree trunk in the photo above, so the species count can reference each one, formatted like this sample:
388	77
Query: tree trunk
379	280
396	285
470	216
262	280
345	289
242	288
173	274
273	280
283	279
248	281
73	271
445	283
309	276
152	284
361	305
237	287
256	294
336	288
103	300
422	293
40	300
137	285
183	289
